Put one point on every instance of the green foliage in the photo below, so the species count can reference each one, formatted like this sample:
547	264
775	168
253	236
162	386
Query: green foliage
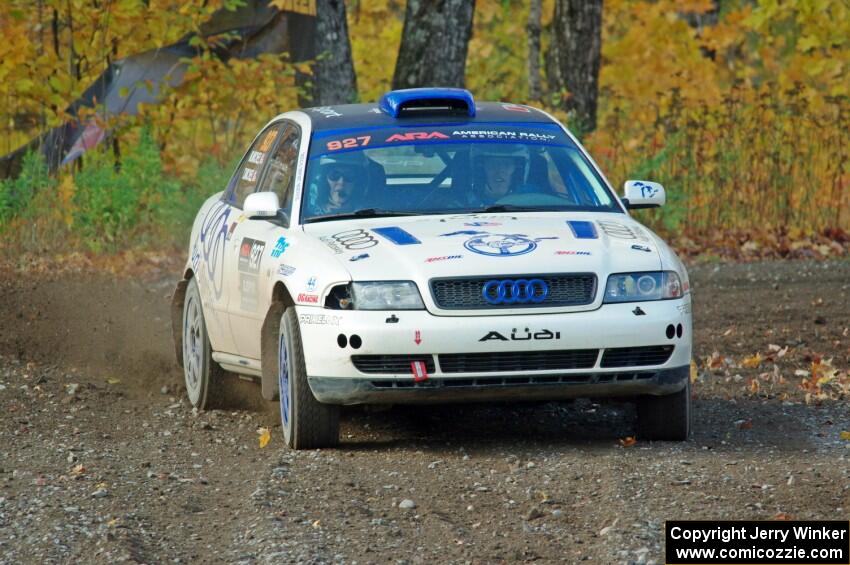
17	194
112	204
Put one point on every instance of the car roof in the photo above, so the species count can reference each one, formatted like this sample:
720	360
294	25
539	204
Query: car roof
344	116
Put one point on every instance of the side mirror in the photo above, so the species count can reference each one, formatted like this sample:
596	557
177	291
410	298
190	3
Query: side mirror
261	206
643	194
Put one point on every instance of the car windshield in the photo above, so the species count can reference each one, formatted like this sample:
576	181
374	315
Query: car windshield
449	169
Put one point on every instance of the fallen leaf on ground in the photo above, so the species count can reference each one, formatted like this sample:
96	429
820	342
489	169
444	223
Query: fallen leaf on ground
628	441
265	437
782	516
845	435
744	424
752	361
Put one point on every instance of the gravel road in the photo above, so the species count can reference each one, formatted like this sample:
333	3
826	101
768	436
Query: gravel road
103	460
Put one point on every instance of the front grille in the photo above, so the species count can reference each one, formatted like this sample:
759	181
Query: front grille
390	363
509	381
518	361
636	356
572	289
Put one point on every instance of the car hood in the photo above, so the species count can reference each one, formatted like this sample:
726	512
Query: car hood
424	247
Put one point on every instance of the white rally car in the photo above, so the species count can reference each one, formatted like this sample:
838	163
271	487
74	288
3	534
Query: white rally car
429	248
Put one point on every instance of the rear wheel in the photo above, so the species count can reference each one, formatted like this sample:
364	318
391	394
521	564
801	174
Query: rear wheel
201	373
306	422
666	418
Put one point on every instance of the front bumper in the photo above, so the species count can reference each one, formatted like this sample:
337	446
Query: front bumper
332	390
334	378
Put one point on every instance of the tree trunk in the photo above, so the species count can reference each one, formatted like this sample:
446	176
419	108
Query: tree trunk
532	28
574	56
434	43
334	80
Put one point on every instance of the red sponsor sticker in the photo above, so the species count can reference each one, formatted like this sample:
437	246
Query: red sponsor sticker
516	108
419	370
417	337
414	135
312	298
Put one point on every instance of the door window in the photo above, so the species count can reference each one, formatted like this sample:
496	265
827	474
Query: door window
244	181
280	175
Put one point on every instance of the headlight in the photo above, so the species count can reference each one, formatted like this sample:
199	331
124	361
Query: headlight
638	287
396	295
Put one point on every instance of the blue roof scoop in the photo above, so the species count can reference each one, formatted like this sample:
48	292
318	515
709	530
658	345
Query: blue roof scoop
427	101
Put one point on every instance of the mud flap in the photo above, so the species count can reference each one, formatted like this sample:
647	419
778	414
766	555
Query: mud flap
268	351
177	319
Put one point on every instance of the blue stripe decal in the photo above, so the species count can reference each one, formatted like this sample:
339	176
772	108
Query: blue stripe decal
397	235
583	230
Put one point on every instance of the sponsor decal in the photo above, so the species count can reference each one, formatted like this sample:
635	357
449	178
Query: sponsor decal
504	135
285	270
351	240
249	175
583	230
257	157
212	238
308	298
233	226
267	141
417	337
646	190
397	235
248	292
516	108
360	257
311	284
326	111
443	258
349	143
638	311
251	255
414	135
638	247
482	224
570	252
521	336
319	319
419	370
684	308
499	244
518	291
279	247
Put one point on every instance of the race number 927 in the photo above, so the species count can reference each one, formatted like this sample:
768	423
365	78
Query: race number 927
349	142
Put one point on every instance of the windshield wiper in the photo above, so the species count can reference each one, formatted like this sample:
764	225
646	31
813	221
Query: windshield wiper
362	213
514	208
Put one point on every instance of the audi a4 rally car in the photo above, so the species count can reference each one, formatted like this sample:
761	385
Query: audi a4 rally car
429	248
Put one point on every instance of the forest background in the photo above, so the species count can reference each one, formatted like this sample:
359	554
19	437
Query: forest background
740	108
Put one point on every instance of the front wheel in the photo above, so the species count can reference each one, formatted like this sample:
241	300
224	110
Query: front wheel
665	418
306	422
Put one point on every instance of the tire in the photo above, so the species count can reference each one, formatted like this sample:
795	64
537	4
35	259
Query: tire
306	422
665	418
201	374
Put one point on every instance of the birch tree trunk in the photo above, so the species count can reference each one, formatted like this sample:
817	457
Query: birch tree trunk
434	43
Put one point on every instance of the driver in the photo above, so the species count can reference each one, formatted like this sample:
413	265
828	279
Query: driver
498	170
340	185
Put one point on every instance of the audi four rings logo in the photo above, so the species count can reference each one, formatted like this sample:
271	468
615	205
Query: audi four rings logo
519	291
355	239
